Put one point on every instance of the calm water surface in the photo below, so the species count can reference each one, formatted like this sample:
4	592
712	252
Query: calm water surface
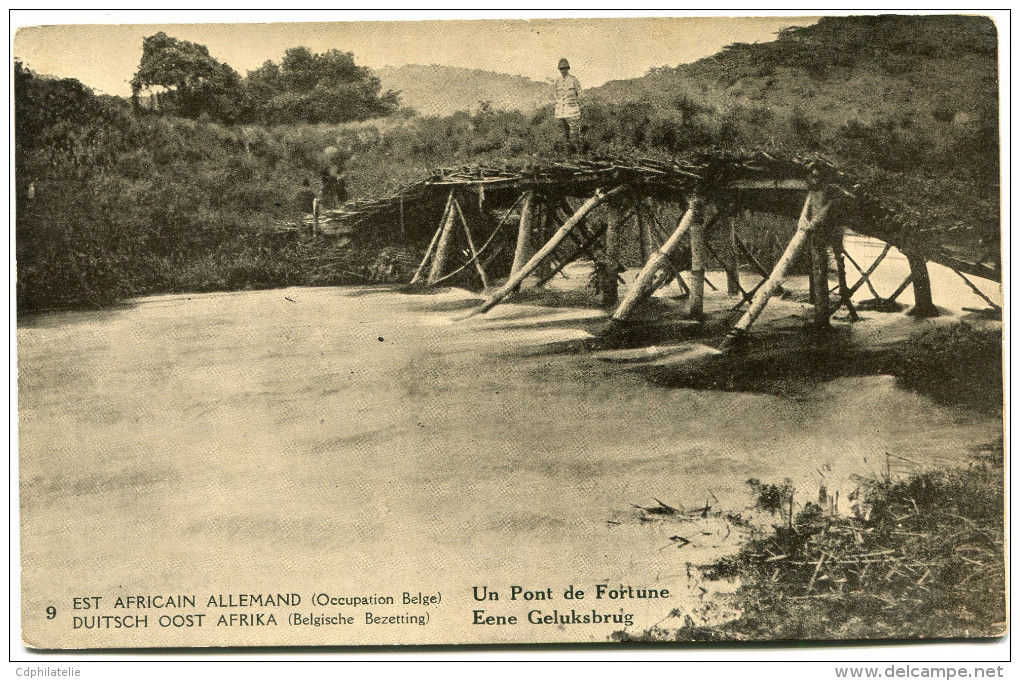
357	441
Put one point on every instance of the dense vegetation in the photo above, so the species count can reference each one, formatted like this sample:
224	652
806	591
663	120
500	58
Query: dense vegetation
956	364
922	558
172	193
918	557
110	205
183	79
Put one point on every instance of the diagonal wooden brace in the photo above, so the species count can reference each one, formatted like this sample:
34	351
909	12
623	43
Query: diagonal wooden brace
471	245
432	245
582	247
557	238
645	282
523	232
445	242
865	274
816	207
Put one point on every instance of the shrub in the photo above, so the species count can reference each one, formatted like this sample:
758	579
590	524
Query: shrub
956	364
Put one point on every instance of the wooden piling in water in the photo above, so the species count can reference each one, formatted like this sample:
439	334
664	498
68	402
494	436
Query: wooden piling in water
644	285
432	244
923	305
844	290
696	301
820	278
642	245
445	242
403	229
471	245
523	233
731	272
610	289
540	231
557	238
733	266
816	207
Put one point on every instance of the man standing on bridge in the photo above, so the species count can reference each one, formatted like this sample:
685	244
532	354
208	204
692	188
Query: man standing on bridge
568	104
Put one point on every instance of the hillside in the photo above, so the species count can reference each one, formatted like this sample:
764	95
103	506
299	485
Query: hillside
435	90
850	86
871	65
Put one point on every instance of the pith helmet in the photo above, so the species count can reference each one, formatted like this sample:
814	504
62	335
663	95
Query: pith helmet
564	64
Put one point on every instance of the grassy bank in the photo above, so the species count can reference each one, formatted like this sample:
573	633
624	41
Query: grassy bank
956	364
920	557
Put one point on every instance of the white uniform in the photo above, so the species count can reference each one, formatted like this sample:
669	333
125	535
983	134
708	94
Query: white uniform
568	93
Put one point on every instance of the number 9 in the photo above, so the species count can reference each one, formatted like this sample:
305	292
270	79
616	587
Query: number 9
51	612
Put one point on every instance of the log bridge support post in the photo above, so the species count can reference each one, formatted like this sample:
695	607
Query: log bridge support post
514	281
471	246
696	301
445	241
816	207
644	285
443	222
923	305
733	269
541	217
522	252
835	240
820	277
607	277
442	244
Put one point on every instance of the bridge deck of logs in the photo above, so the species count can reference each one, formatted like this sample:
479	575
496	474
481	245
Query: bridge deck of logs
527	210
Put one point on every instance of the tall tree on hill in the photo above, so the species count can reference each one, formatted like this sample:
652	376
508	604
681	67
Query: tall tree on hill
187	81
317	88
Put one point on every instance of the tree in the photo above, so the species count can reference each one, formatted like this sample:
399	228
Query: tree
60	122
305	87
317	88
40	103
187	80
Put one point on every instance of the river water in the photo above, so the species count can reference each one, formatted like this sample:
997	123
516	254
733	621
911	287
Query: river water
361	442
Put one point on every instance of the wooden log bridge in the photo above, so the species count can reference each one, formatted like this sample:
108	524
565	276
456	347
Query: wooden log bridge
517	224
645	284
557	238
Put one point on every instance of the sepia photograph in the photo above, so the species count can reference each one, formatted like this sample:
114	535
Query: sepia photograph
651	332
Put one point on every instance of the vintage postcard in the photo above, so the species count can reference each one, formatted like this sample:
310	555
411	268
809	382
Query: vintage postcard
508	331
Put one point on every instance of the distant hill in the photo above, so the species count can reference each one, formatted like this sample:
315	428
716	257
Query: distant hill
441	90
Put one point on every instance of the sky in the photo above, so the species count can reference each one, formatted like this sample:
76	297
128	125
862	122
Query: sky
105	55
